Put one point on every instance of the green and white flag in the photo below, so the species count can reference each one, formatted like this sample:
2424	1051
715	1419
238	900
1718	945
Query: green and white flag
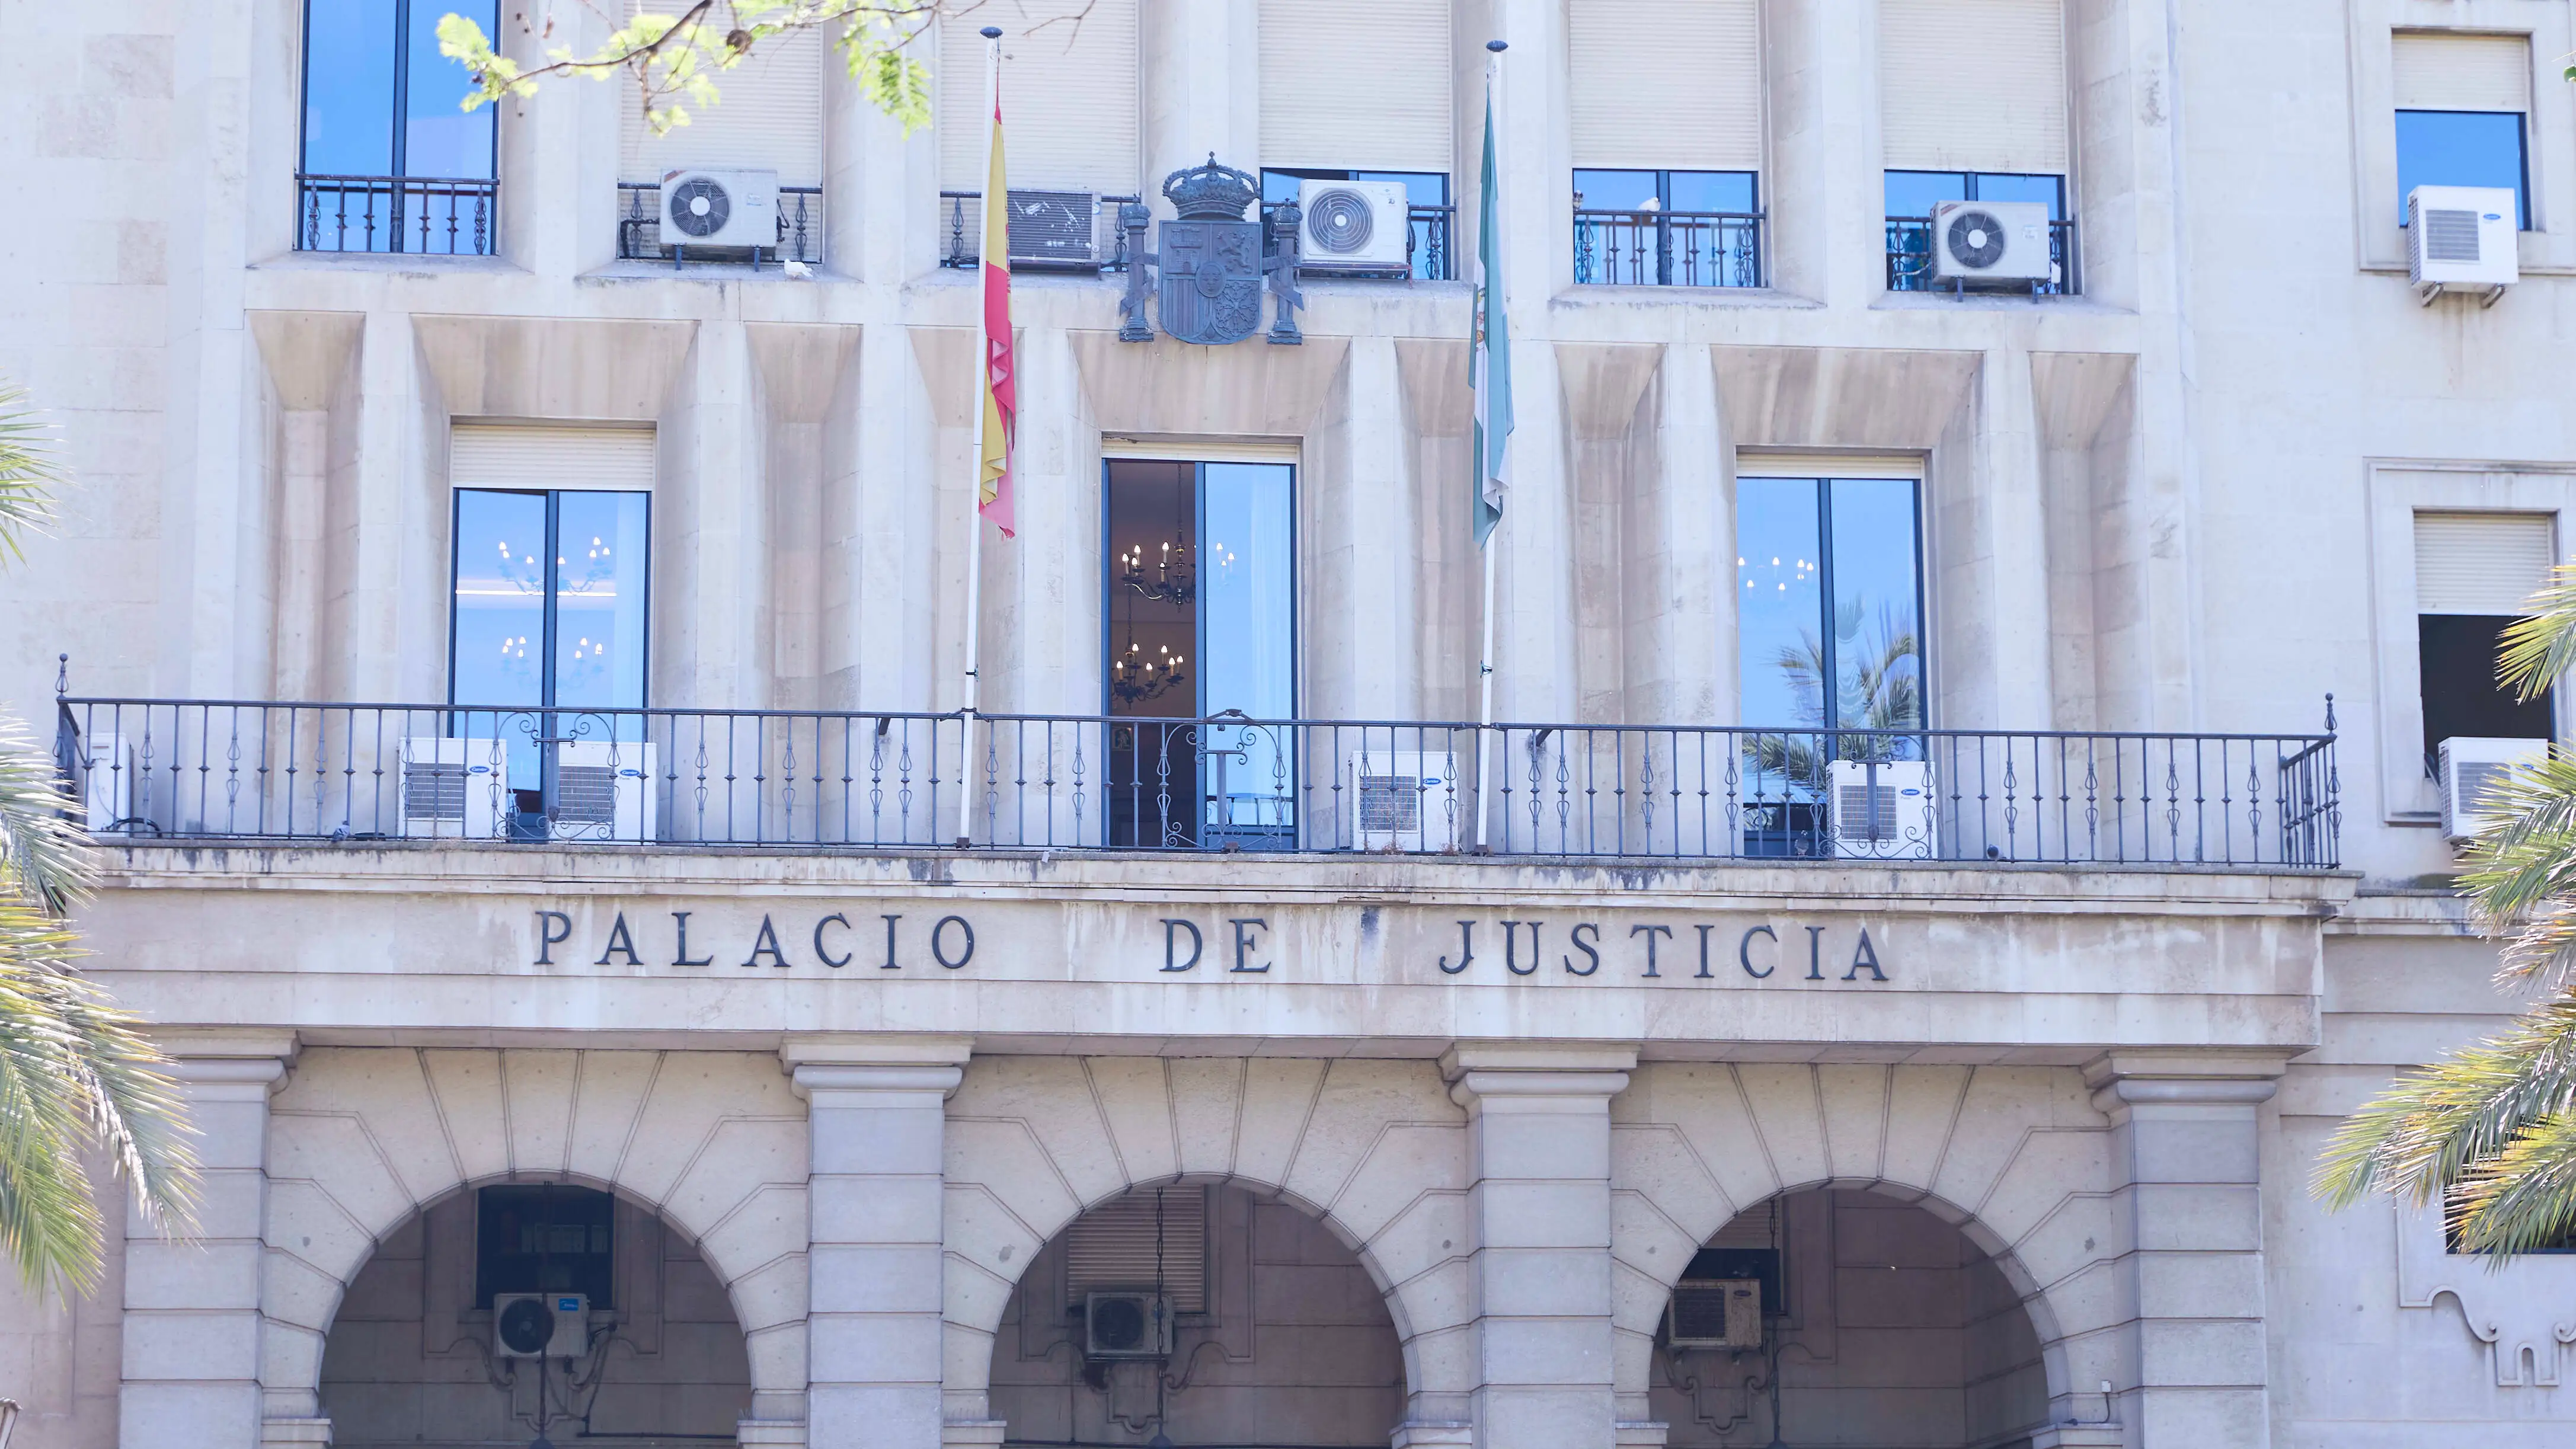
1489	362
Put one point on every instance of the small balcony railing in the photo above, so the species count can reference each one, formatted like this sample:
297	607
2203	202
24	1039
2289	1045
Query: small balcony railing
639	225
283	772
1909	259
424	215
961	233
1667	248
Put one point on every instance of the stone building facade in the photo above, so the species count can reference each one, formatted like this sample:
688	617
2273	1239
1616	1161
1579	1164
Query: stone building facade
1994	1108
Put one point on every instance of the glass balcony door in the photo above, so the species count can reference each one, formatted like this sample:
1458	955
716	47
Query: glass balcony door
548	629
391	159
1199	653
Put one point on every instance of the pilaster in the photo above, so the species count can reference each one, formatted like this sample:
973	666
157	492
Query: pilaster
876	1109
192	1323
1538	1133
2186	1169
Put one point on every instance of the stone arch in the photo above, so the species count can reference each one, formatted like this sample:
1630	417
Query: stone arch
361	1139
2016	1158
1374	1150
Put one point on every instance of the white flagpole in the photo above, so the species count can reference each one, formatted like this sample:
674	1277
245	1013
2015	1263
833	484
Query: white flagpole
975	467
1485	661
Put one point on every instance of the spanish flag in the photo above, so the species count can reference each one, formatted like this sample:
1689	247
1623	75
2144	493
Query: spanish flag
1001	405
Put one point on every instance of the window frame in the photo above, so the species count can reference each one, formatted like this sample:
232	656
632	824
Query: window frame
1820	481
554	541
401	98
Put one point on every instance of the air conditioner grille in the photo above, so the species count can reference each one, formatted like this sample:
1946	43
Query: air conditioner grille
2450	236
2474	781
1976	238
1701	1312
1866	812
434	791
699	207
1390	802
586	795
1340	222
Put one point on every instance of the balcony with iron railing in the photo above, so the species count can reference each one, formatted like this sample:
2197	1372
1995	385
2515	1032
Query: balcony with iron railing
278	772
1653	248
412	215
639	226
1065	242
1909	260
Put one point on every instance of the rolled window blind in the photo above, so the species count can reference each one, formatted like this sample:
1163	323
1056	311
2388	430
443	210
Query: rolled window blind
1973	85
1115	1245
2443	71
1359	85
2480	563
1070	103
769	115
1666	84
507	455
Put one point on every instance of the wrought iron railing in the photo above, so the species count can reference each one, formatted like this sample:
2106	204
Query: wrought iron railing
961	234
285	772
639	225
1428	251
1909	259
439	216
1667	248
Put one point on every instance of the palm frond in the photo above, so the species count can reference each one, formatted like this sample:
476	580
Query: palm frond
29	472
2420	1136
2524	1197
2541	646
42	849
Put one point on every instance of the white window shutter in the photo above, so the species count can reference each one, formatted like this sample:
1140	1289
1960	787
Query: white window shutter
1356	85
1071	107
769	115
1666	84
2480	563
536	455
1973	85
2446	71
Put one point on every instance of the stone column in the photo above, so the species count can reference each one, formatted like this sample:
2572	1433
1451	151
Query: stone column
192	1325
1538	1207
2185	1163
877	1107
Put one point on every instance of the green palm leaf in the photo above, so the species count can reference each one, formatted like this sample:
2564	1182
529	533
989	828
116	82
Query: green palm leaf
76	1073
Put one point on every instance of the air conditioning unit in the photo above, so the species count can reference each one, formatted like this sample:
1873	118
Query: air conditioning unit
103	777
1126	1326
2462	236
604	790
540	1325
1359	227
2470	768
1881	809
1409	801
1715	1313
1991	241
459	789
720	209
1055	229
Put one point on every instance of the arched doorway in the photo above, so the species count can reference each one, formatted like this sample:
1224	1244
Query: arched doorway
651	1356
1203	1312
1842	1317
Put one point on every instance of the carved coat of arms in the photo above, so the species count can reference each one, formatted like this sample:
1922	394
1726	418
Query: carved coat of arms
1211	264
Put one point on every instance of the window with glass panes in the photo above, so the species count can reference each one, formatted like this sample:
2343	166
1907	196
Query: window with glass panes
1199	650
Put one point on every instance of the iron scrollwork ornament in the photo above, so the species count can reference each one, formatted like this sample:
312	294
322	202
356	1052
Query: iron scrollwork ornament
1210	264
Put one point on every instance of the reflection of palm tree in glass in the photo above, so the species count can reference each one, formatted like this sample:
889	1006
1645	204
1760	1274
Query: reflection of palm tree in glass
1880	689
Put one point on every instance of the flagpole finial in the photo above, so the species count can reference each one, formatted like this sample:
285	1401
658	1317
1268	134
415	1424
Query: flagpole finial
990	32
1497	46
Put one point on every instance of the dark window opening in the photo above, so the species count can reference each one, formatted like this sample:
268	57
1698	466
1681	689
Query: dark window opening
2456	655
545	1239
